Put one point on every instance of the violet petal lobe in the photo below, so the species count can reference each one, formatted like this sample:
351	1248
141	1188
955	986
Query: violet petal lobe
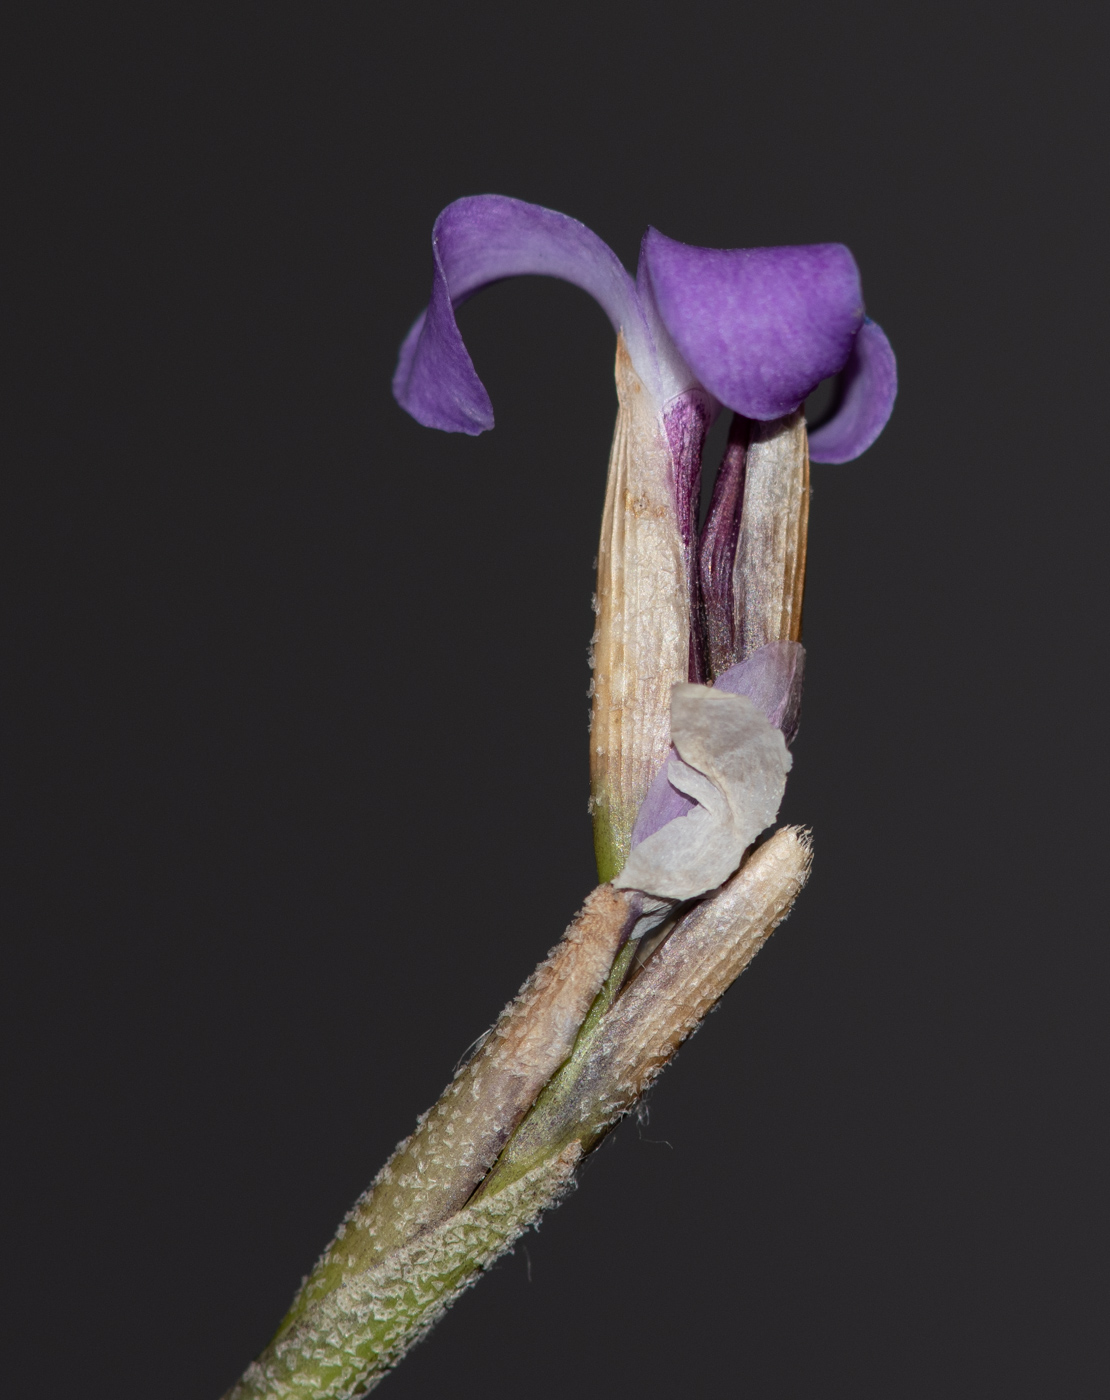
772	678
480	240
870	385
661	805
760	327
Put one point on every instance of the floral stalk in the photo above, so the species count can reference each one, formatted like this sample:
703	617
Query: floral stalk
697	685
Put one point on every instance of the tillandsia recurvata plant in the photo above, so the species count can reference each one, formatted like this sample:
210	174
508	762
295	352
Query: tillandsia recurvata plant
697	676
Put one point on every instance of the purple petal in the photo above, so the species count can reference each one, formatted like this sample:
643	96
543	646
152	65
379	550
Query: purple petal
772	678
674	374
483	239
686	420
870	383
760	327
717	549
661	805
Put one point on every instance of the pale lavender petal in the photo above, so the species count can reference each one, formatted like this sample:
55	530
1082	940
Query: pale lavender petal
869	387
760	327
662	804
772	678
484	239
717	549
686	420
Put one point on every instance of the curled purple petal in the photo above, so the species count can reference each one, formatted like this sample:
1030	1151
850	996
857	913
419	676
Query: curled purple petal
772	678
760	327
436	380
870	384
483	239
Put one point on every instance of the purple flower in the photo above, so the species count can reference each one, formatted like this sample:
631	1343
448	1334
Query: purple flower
753	330
757	328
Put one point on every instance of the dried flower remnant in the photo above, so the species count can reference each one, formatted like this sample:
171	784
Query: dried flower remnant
733	762
697	682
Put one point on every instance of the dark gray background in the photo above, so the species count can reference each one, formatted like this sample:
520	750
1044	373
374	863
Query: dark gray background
297	692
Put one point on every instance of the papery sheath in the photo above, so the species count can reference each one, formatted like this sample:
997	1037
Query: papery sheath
641	645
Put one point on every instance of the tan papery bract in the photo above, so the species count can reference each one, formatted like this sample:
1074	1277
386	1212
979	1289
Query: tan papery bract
642	641
433	1172
768	577
677	986
689	974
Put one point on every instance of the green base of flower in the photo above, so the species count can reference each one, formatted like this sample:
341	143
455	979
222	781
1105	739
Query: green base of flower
612	838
